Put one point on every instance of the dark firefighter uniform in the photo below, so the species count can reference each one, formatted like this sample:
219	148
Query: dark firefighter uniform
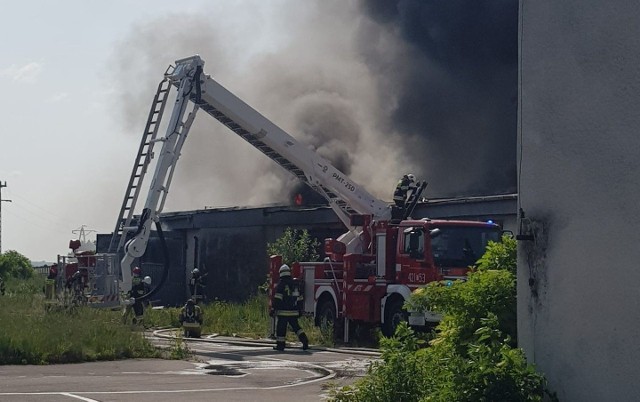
196	284
406	183
50	283
191	319
190	313
138	289
285	304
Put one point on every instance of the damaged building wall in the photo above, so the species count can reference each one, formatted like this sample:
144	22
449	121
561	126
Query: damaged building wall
578	277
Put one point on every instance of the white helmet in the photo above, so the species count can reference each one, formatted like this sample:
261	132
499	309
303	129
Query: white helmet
411	177
147	280
284	271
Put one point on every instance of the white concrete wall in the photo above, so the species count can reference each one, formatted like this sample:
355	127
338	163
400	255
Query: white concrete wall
579	183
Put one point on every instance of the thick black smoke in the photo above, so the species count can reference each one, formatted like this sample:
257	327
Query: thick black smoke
379	88
454	91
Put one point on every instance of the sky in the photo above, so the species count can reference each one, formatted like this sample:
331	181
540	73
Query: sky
360	81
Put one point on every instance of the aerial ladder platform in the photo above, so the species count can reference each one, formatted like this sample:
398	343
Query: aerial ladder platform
344	196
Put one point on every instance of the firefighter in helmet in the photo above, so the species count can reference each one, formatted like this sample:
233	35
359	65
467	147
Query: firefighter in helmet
406	183
50	282
75	285
286	305
138	289
196	283
191	314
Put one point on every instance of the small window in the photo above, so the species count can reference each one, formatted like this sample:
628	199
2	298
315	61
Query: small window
414	243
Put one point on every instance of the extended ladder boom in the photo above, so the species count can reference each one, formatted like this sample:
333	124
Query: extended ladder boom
187	80
344	196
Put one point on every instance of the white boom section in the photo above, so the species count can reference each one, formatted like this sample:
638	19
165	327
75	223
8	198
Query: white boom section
344	196
184	77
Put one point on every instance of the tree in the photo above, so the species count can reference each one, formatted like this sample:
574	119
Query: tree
294	246
14	264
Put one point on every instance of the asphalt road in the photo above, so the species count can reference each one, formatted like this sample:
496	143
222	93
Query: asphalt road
222	369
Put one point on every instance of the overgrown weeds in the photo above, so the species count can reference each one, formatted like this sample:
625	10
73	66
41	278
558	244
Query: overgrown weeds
179	350
248	320
32	334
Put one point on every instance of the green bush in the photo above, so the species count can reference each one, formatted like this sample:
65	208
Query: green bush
294	246
399	375
500	255
15	265
473	355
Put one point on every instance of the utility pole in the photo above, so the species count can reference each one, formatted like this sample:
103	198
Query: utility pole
1	201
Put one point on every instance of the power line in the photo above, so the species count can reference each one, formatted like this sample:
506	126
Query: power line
1	200
38	211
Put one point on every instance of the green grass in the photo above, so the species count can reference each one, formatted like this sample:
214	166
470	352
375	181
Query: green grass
249	320
31	335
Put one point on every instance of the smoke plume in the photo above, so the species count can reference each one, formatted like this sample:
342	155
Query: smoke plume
454	89
380	88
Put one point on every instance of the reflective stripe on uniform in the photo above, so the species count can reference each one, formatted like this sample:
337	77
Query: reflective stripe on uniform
288	313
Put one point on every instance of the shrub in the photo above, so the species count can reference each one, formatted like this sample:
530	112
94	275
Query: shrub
473	356
399	376
15	265
294	246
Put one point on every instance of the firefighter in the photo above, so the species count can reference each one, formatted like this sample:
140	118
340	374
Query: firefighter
406	183
146	283
50	283
191	318
138	289
196	283
53	272
75	285
190	313
72	280
285	304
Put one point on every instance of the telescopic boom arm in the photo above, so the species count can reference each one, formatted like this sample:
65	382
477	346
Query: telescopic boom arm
344	196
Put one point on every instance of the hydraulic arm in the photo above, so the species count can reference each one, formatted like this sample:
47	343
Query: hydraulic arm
344	196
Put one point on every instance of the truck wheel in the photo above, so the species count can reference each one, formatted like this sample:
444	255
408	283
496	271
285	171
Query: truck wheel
327	316
394	314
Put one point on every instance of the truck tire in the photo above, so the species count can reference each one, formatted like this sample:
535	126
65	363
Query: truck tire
326	315
394	314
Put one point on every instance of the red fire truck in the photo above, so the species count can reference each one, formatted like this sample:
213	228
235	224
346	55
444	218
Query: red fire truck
371	287
369	271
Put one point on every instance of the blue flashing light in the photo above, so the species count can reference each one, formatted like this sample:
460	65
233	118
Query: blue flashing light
490	221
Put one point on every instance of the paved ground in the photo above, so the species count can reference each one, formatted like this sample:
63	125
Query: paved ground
220	371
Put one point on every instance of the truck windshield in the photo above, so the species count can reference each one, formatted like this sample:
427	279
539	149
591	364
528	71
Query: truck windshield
461	246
